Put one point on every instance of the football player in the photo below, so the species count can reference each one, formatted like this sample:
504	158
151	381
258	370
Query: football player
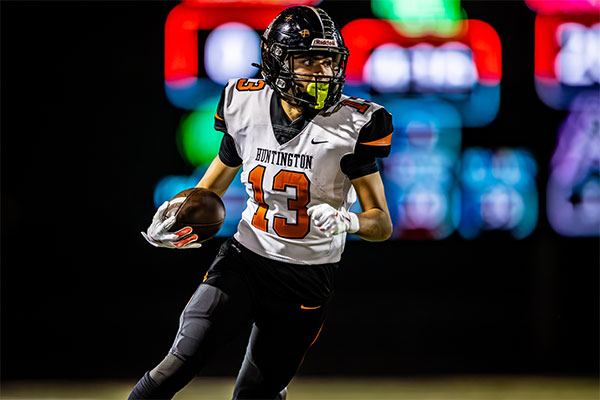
306	152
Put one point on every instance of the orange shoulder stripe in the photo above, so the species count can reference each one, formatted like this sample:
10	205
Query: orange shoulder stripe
386	141
217	117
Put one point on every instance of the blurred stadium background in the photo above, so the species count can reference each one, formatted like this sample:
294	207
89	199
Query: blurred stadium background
488	288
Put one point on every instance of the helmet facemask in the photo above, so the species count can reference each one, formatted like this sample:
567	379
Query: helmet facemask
314	92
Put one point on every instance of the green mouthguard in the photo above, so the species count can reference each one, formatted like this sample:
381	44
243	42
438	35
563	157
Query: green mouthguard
318	91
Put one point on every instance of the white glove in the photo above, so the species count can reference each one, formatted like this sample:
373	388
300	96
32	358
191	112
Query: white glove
158	234
333	222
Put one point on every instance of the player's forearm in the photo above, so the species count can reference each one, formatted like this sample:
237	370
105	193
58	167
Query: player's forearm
375	225
212	186
218	177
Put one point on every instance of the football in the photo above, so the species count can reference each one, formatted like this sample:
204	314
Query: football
198	208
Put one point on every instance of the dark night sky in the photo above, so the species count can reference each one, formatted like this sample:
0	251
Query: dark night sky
86	133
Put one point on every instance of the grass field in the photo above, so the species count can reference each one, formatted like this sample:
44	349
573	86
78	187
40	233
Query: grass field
444	388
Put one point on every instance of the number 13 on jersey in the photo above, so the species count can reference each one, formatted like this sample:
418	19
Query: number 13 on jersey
281	181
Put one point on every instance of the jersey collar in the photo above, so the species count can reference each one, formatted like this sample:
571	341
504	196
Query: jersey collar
284	129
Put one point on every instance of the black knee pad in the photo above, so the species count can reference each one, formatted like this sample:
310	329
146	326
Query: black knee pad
193	340
167	368
172	373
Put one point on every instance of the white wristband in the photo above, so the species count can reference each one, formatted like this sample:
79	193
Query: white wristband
354	224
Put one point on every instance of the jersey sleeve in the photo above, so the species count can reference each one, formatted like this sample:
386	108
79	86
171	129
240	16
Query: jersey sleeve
375	137
220	114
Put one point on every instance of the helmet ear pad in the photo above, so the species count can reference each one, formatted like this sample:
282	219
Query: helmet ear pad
275	68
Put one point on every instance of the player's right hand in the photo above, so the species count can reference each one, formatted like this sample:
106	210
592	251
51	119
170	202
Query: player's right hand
158	234
333	222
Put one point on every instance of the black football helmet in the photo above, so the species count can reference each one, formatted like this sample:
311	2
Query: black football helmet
298	31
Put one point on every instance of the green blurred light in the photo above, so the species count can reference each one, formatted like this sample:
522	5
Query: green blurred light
197	140
420	17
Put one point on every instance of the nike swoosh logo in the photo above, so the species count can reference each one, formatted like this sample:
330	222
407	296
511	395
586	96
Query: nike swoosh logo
313	141
309	308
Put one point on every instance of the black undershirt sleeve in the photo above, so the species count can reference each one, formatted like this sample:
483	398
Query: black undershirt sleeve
228	153
356	166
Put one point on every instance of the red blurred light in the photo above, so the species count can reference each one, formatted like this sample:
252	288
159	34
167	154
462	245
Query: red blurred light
245	3
183	22
564	6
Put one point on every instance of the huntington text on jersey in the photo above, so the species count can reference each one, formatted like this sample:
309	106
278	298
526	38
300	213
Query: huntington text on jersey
284	159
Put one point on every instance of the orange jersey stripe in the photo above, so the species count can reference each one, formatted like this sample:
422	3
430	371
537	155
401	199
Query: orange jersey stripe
217	117
386	141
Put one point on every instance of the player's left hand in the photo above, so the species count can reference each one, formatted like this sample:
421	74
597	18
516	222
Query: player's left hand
333	222
158	234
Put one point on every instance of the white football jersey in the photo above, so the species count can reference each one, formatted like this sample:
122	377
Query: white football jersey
284	180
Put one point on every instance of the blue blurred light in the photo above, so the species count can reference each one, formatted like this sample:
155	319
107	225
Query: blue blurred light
420	187
388	69
192	94
499	192
234	199
420	173
573	192
170	185
360	91
480	107
229	52
426	123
